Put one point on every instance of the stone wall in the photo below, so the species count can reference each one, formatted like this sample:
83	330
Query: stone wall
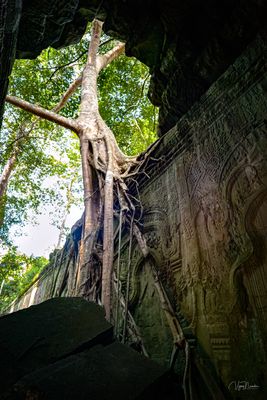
204	196
57	278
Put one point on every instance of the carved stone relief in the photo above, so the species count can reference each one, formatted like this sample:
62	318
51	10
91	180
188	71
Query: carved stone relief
204	225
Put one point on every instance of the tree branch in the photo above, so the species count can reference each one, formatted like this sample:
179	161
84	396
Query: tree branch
73	86
105	59
43	113
95	42
67	64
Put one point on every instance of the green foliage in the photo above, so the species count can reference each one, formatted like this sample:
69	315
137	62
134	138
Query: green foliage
17	272
41	164
124	105
43	147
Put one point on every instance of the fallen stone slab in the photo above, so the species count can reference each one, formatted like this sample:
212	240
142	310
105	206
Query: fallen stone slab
64	349
107	372
40	335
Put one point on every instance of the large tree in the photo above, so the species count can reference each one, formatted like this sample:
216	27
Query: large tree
32	149
104	166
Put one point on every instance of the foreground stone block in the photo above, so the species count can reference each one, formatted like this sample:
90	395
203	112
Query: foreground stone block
64	349
42	334
111	372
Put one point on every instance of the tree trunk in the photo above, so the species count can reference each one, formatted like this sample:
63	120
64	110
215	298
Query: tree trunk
7	171
87	122
91	220
96	147
8	168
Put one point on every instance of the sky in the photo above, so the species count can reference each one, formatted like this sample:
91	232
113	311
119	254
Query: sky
40	239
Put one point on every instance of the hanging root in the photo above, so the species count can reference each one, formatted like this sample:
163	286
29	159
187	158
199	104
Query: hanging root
132	328
118	275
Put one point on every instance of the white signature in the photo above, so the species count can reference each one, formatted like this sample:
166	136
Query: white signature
242	385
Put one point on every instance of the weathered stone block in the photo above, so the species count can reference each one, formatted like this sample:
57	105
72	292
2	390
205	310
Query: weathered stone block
43	334
102	372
